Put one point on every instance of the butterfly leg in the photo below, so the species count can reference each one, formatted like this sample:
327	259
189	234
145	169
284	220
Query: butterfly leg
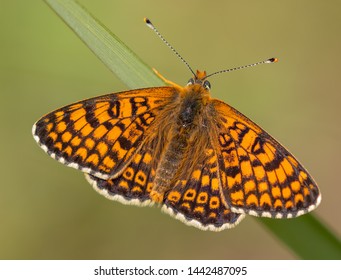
166	80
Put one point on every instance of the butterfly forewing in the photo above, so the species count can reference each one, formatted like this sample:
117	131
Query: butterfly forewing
259	176
101	135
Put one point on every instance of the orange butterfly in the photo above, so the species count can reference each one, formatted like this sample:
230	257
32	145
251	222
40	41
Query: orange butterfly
201	159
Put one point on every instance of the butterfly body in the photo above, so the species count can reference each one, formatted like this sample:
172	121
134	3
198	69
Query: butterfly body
188	124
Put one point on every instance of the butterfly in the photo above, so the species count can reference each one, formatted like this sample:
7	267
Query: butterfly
197	157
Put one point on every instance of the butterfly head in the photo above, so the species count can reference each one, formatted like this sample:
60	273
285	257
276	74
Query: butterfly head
200	79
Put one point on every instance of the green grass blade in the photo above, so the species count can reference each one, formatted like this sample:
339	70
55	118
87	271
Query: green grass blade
306	236
106	46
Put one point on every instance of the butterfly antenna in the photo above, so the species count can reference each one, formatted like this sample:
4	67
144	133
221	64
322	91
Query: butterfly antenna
270	60
151	26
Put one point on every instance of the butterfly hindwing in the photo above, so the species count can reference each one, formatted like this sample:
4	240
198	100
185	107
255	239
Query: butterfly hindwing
101	135
259	176
195	197
136	181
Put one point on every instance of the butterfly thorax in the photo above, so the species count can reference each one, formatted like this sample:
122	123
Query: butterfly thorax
187	126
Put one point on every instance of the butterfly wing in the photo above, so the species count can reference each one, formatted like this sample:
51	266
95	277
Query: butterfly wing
136	182
101	135
195	197
259	176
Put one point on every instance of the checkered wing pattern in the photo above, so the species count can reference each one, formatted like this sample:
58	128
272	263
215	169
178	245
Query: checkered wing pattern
136	181
196	197
258	175
101	135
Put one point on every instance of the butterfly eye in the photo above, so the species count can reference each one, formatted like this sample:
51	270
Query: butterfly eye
190	82
207	85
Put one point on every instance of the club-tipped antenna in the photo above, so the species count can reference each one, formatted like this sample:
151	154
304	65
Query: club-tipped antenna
270	60
151	26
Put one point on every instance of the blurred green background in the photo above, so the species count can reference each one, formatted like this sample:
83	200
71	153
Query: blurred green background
49	211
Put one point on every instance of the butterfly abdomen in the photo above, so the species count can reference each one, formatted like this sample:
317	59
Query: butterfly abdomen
181	135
